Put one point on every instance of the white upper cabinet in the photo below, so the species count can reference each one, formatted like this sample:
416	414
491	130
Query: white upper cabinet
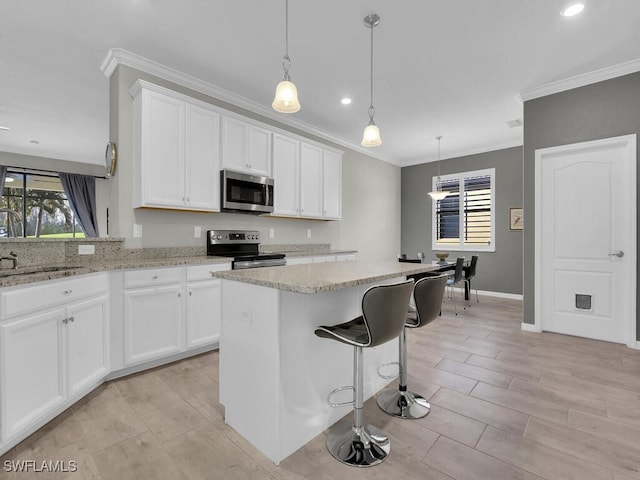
286	164
332	185
202	169
310	180
176	150
307	179
245	147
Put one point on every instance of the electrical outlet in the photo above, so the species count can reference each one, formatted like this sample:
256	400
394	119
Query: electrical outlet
308	233
86	249
272	233
197	231
137	230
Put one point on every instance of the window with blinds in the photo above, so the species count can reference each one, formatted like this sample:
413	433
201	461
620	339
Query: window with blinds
464	219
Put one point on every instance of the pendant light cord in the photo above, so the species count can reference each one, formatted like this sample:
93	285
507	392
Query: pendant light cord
372	110
286	61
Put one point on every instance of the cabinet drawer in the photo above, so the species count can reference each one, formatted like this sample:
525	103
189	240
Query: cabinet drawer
30	299
152	276
203	272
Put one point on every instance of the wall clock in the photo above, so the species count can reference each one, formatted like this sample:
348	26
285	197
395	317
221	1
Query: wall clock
111	158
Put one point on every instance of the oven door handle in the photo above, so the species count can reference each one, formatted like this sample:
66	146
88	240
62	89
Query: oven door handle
237	265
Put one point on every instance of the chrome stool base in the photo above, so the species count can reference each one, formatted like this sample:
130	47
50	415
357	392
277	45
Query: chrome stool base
403	404
358	446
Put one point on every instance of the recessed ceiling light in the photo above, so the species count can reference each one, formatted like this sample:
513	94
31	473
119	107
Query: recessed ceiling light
35	142
5	129
345	101
572	10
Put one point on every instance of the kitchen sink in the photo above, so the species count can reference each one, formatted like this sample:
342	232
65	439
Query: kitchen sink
32	270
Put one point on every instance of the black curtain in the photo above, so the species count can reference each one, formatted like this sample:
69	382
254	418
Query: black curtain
81	191
3	175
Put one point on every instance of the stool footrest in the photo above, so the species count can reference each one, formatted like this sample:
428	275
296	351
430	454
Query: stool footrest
387	377
335	392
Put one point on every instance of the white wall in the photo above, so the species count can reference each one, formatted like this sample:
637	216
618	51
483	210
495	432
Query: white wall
371	195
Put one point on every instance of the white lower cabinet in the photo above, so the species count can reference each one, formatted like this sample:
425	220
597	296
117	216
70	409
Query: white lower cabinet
153	323
204	305
170	310
52	354
87	334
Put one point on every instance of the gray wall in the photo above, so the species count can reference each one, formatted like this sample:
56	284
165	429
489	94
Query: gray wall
370	194
499	271
602	110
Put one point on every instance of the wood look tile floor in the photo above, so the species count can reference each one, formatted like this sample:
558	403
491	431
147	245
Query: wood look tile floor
506	404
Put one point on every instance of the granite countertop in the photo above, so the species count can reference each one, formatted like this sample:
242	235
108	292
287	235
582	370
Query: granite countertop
324	277
20	276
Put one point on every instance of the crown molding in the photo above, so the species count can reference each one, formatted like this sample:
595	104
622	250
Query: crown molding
119	56
465	153
582	80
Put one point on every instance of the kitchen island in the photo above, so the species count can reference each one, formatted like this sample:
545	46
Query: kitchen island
275	374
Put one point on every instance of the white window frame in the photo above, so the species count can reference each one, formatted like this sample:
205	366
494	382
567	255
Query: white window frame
461	247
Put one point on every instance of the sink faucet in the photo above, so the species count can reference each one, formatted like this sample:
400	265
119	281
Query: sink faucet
13	256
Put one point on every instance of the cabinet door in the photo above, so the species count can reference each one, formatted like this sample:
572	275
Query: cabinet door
162	153
286	159
87	331
235	144
203	312
259	151
332	185
245	147
153	323
32	369
202	159
310	181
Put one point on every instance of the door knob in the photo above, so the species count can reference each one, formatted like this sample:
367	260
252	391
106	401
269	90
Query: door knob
618	254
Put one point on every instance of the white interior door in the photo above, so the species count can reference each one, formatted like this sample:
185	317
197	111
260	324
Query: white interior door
586	239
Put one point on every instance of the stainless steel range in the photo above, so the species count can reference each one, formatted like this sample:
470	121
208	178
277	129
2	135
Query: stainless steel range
242	246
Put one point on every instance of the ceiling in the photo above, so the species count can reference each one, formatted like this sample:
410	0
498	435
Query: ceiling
450	68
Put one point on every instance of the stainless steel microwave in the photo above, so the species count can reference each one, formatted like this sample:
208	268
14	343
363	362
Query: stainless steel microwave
246	193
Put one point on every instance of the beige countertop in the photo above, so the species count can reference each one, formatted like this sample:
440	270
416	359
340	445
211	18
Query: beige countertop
20	276
39	273
324	277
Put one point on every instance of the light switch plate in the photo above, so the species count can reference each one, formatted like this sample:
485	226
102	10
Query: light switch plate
308	233
272	233
86	249
137	230
197	231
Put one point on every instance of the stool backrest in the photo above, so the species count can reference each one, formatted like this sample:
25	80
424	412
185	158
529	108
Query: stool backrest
384	308
457	276
428	293
472	267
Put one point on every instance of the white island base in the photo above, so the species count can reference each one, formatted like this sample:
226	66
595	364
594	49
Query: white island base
275	374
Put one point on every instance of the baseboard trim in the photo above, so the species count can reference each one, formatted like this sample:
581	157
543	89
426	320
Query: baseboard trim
123	372
634	345
512	296
530	327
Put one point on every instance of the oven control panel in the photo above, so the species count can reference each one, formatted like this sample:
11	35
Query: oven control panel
232	236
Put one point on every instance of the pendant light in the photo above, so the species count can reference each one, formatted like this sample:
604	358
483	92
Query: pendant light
371	135
286	99
438	194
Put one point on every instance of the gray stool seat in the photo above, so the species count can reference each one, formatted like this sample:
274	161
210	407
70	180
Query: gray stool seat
427	293
383	311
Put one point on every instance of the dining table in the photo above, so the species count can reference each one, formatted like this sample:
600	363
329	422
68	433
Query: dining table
444	266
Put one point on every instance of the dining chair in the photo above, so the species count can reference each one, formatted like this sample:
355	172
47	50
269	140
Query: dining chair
457	280
471	273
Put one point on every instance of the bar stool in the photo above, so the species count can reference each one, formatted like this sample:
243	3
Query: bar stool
383	316
427	293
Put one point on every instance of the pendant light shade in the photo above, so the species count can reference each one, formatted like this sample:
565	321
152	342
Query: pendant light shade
438	194
286	98
371	136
